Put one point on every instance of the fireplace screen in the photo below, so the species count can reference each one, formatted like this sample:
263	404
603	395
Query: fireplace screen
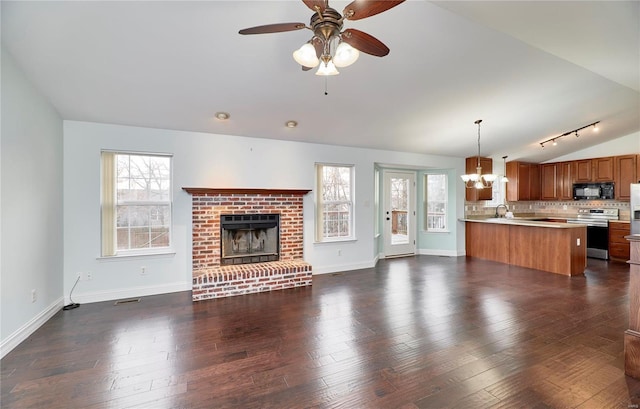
249	238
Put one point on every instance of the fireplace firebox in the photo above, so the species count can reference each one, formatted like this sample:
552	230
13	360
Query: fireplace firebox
249	238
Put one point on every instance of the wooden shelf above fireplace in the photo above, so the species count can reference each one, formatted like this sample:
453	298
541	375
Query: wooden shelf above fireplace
241	191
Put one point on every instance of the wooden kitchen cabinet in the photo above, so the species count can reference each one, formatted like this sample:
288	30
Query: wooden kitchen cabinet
603	169
548	181
524	181
618	245
583	171
564	179
625	168
632	335
473	195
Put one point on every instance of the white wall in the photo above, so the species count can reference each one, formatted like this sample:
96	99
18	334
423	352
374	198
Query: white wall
208	160
30	206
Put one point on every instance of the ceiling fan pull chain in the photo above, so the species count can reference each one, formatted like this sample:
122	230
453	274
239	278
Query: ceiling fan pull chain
325	86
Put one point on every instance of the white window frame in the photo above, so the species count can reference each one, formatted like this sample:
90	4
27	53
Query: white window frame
444	229
109	204
320	204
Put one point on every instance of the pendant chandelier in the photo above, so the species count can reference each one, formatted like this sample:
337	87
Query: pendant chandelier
478	180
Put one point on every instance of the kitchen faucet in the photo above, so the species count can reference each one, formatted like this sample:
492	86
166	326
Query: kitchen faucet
505	208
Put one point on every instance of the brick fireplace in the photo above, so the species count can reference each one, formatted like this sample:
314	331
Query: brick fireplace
212	279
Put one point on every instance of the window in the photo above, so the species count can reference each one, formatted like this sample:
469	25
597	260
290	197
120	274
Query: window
435	203
334	198
135	203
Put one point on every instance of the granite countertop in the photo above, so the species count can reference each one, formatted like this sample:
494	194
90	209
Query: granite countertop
525	221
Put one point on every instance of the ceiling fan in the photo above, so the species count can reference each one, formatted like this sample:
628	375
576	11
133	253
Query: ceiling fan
330	47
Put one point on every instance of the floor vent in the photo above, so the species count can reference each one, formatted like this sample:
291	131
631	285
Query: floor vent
128	301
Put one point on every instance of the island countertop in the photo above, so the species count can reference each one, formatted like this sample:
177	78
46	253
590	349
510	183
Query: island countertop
525	221
558	248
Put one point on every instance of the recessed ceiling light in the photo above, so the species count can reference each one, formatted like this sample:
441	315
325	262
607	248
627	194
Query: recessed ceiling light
291	124
222	116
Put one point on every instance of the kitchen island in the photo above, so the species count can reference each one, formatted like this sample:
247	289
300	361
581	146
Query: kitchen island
558	248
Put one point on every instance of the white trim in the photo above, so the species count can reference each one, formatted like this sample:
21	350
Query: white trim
99	296
446	253
29	328
340	268
130	255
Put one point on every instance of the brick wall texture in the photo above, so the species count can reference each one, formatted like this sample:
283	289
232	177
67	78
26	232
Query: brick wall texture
210	280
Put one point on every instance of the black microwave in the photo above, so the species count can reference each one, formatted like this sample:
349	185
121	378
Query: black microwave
593	191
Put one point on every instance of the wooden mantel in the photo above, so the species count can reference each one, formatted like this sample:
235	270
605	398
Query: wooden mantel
244	191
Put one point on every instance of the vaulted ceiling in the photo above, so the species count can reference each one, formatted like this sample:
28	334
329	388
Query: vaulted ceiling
531	70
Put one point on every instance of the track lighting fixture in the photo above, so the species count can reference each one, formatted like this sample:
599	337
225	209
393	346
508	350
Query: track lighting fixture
575	131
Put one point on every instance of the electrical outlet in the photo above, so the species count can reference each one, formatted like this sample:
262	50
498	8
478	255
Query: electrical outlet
88	275
578	242
143	271
34	295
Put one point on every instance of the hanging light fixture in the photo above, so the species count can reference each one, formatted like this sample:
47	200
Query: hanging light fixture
504	176
478	180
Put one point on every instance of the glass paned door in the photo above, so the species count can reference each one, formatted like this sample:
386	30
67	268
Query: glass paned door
399	213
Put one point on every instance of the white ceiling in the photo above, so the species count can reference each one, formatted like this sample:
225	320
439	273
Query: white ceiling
530	70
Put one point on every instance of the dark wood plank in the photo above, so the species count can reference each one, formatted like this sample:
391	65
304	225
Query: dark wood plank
414	332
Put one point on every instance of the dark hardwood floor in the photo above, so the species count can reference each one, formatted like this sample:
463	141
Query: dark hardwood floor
417	332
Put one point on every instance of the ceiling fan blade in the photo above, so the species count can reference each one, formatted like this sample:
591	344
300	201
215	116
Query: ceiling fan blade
359	9
364	42
273	28
312	4
305	68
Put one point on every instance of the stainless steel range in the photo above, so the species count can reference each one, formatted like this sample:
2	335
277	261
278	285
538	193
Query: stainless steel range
597	222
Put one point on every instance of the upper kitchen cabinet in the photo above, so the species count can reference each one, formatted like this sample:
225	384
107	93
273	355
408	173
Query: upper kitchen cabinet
524	181
556	181
474	195
548	181
625	168
583	171
603	169
564	179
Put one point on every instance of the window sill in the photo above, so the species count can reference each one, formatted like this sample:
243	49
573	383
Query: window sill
436	231
130	256
345	240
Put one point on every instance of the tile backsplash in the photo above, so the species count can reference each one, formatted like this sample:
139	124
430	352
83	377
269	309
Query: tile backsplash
562	209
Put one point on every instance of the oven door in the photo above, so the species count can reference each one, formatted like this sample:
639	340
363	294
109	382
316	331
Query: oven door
598	242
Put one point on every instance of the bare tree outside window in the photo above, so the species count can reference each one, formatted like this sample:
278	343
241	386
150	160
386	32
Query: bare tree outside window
436	202
143	201
335	201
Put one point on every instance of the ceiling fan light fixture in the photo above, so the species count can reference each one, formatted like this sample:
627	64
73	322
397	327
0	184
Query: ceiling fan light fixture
306	56
327	68
345	55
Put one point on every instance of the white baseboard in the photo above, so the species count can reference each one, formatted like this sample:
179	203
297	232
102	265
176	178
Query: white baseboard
29	328
99	296
342	267
446	253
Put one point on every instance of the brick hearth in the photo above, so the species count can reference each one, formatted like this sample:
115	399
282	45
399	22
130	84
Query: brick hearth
210	279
